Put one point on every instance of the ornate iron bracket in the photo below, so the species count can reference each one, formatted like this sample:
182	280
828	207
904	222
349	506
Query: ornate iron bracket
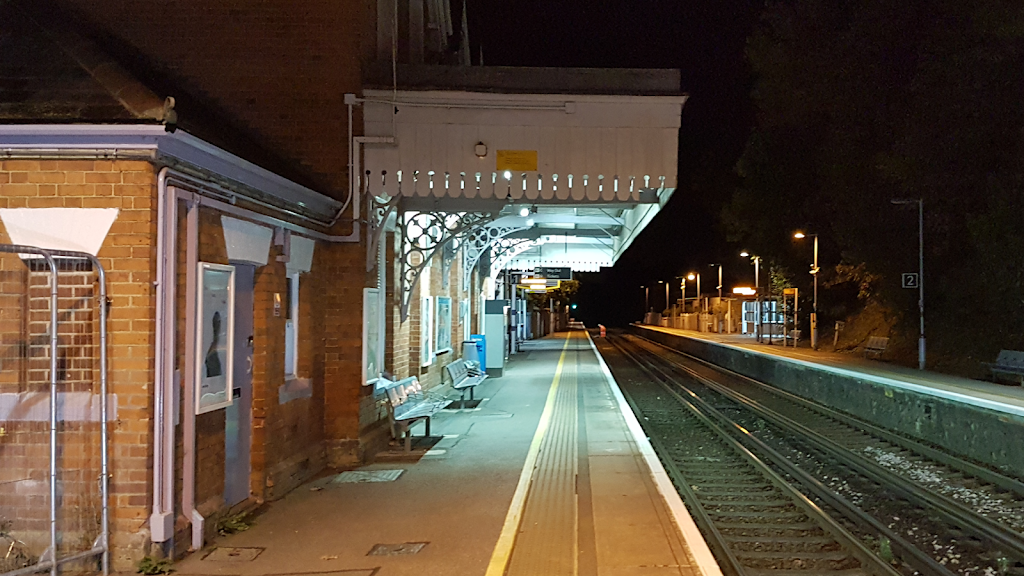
479	241
380	209
448	254
423	233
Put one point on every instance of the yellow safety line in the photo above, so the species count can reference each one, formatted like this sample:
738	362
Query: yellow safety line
503	549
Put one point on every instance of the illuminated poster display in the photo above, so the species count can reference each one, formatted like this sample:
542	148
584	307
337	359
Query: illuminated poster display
215	312
443	332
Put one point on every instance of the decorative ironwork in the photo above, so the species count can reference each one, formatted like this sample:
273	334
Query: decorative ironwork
380	209
447	257
480	240
506	250
423	233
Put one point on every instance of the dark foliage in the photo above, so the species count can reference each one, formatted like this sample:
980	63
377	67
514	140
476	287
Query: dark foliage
864	101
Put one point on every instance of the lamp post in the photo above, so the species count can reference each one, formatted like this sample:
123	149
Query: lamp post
920	275
647	292
719	280
757	292
666	292
814	272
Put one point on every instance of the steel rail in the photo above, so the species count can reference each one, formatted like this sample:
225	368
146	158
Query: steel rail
850	542
988	475
949	509
921	561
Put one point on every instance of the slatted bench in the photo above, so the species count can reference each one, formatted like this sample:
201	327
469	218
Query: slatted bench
1009	363
407	403
876	345
462	379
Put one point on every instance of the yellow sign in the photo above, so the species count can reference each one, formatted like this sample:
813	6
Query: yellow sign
517	160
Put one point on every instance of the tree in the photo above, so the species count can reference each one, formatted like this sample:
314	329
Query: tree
863	101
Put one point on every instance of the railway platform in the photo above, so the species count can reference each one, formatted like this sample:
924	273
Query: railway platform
550	474
989	395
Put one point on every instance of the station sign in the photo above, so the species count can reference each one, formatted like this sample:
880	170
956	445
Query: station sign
553	273
910	280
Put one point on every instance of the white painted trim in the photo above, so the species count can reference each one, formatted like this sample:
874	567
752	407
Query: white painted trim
180	145
74	229
691	534
246	241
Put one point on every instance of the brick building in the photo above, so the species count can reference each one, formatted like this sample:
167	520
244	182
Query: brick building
268	252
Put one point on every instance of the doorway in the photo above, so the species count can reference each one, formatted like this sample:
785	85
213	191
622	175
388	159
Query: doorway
238	416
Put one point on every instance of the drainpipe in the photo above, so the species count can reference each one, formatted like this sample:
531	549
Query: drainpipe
161	522
196	192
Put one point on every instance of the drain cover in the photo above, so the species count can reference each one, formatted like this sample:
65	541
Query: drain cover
367	476
233	554
397	549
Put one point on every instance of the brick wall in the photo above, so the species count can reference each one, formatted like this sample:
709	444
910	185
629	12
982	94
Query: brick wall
127	255
340	275
278	67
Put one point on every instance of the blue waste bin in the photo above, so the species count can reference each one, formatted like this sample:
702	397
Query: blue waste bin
481	348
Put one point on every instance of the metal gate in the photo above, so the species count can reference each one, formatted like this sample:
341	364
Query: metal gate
53	411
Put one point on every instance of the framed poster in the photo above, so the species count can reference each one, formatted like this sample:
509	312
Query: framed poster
443	331
373	335
464	319
215	315
426	331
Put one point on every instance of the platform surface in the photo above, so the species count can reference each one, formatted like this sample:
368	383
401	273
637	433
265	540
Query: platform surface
1000	397
547	476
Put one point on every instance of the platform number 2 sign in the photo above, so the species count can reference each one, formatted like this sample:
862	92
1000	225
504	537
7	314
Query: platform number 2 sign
910	280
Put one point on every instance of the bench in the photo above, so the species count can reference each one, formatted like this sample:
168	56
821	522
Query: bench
1008	363
462	378
407	403
876	345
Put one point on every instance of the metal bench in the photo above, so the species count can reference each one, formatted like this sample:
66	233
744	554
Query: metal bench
407	403
1009	363
462	379
876	345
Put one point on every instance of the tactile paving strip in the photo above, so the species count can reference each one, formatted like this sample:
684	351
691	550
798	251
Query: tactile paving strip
547	539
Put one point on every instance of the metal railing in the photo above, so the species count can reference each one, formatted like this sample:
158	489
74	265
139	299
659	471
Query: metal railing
50	365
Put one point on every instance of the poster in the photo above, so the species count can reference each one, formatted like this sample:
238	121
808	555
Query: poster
373	335
426	332
443	330
215	342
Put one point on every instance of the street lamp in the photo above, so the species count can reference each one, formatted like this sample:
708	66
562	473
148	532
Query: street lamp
757	291
719	280
666	292
814	272
920	274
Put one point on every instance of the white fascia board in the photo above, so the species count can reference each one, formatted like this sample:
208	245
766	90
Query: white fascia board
567	218
188	148
180	145
445	98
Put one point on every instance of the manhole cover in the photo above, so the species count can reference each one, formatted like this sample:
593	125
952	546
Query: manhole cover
233	554
367	476
397	549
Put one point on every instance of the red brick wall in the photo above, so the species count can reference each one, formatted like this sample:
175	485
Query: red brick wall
278	67
127	255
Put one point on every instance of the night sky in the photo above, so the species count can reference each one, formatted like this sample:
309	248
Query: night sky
705	41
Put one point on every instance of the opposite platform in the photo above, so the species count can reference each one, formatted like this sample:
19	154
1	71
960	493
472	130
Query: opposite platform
989	395
551	475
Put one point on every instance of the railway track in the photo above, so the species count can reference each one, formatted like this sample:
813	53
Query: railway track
945	517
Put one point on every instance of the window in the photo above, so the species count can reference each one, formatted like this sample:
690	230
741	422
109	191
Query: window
291	325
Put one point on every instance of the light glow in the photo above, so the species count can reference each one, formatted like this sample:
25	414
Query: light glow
744	291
